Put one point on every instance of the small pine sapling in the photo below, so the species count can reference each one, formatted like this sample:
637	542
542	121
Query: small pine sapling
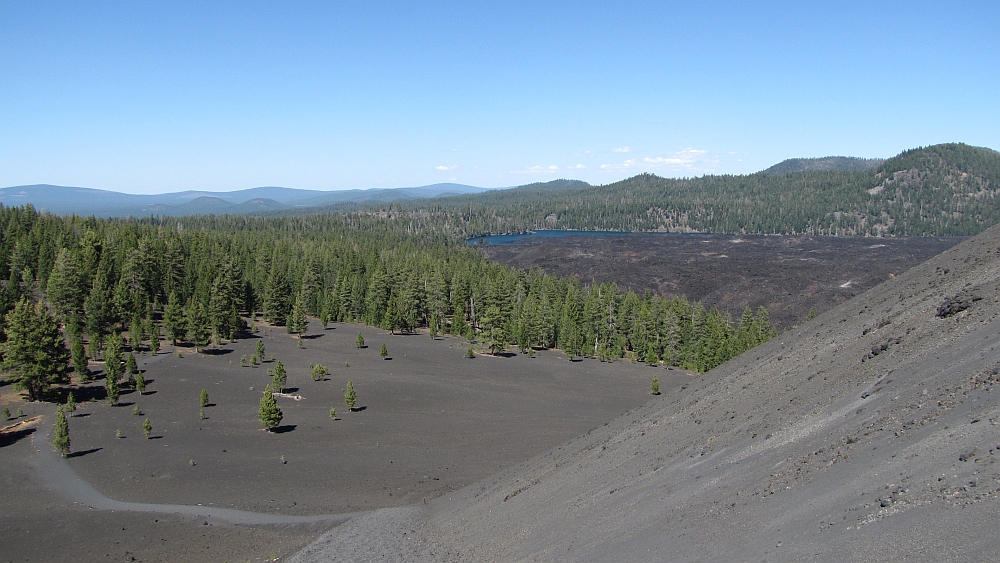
243	361
470	353
319	372
259	349
359	341
333	414
130	365
111	388
350	395
201	414
6	413
79	355
70	403
20	413
140	383
654	386
269	413
203	399
383	352
147	428
60	434
280	378
136	411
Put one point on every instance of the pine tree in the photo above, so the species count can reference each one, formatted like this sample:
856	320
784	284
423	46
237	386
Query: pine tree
154	339
280	378
203	398
197	325
65	289
173	319
350	395
70	403
130	364
111	388
319	372
296	323
113	367
79	355
269	413
433	327
140	383
383	352
60	433
35	354
359	341
654	386
147	428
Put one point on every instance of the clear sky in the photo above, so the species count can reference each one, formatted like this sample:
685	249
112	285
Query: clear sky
149	97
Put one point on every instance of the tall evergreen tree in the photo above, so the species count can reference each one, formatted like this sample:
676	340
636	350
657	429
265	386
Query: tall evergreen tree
173	319
197	327
35	354
296	323
65	290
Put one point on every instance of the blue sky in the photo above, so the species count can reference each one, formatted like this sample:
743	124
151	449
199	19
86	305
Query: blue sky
149	97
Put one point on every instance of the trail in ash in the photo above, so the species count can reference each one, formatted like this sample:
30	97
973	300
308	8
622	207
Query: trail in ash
61	479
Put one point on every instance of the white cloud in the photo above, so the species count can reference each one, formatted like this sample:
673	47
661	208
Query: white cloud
622	149
686	159
629	163
553	168
578	167
445	168
539	170
603	166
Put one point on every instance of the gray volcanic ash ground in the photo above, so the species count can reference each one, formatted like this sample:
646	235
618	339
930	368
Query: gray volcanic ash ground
867	434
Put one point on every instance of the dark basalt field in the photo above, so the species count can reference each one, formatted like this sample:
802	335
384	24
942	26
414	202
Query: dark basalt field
787	274
433	422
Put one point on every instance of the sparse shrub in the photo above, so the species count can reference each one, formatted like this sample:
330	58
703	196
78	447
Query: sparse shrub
191	462
350	395
319	372
204	398
6	413
118	433
147	428
470	353
60	434
333	414
243	361
136	411
654	386
201	414
383	352
359	341
20	413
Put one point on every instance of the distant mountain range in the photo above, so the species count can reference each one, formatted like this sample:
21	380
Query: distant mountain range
103	203
62	200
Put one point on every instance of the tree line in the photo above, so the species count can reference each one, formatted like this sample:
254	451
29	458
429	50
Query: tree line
198	279
943	190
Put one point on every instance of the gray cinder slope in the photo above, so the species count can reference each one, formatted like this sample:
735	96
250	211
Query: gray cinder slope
868	434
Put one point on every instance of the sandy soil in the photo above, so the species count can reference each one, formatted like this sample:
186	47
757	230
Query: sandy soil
433	423
787	274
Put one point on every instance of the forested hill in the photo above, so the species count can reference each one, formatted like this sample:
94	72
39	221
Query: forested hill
835	163
941	190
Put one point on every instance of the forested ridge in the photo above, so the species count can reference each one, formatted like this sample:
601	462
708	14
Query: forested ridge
942	190
200	280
